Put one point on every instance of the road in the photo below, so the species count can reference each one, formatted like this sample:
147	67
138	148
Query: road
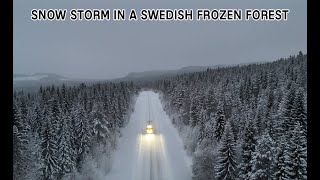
158	156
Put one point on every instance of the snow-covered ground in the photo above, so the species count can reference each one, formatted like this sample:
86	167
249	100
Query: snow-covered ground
158	156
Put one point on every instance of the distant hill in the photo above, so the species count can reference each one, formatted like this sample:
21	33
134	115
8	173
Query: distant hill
34	81
38	77
161	74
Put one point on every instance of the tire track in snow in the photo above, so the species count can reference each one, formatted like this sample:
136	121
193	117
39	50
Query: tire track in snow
151	171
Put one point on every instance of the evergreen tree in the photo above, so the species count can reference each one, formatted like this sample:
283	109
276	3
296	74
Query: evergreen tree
210	127
18	156
193	114
248	147
296	156
279	164
260	118
227	162
35	117
21	141
203	166
220	122
202	125
262	159
65	151
210	102
55	114
49	147
33	158
26	159
286	110
101	130
300	111
82	132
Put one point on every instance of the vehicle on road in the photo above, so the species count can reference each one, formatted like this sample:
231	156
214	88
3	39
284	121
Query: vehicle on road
149	128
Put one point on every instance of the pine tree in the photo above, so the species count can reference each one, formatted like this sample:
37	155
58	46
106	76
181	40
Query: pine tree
18	158
193	114
260	118
300	112
210	102
15	113
65	151
20	119
262	159
26	158
49	147
227	105
82	133
115	115
209	131
279	164
55	113
227	162
248	147
33	158
100	129
23	109
220	122
236	122
296	155
286	110
21	140
37	118
63	98
120	112
203	166
202	125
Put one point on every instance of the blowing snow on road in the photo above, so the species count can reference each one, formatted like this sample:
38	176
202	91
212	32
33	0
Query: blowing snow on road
158	156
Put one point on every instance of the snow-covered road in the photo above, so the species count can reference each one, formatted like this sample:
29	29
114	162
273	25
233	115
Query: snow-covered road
158	156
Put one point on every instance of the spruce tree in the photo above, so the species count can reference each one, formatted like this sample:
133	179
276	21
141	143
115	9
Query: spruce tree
202	125
203	165
248	147
279	164
100	129
263	158
286	110
49	148
210	101
65	151
299	114
33	157
82	132
226	167
209	132
18	158
220	122
193	114
296	155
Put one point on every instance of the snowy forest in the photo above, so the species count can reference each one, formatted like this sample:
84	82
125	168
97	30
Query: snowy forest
245	122
68	132
240	122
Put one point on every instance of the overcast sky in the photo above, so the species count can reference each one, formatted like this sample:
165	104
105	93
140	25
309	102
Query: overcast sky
113	49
